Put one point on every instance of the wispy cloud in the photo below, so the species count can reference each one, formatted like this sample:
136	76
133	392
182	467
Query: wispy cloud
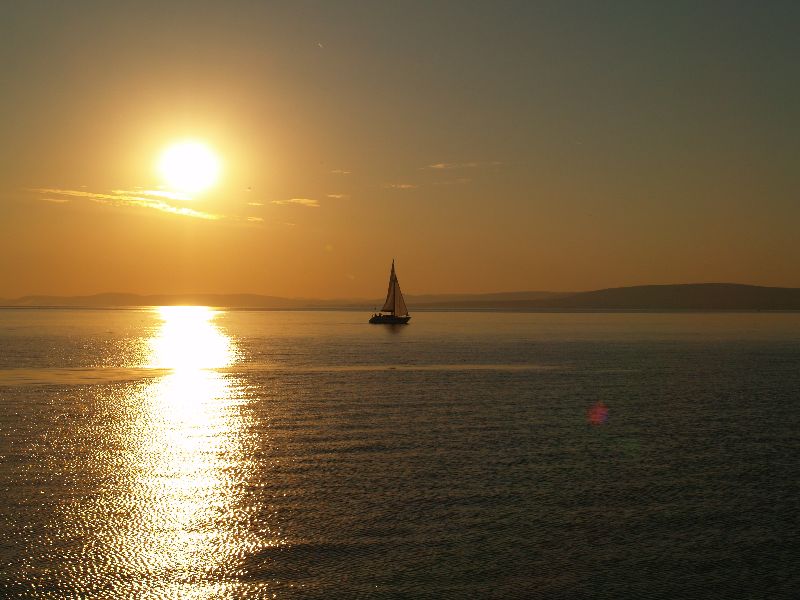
401	186
255	219
461	165
255	204
338	196
152	194
458	181
56	200
123	198
308	202
341	172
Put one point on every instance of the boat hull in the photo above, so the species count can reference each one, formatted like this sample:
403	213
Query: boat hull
389	320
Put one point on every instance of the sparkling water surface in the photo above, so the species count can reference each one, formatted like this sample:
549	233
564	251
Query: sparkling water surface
197	453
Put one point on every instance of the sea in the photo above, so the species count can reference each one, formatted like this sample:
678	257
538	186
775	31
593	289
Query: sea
194	452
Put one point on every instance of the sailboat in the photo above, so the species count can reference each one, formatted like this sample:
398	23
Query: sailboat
394	305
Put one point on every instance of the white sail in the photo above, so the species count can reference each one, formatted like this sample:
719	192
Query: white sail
394	297
388	306
399	304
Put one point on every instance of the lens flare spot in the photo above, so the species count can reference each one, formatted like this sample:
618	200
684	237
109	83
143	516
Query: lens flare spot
597	413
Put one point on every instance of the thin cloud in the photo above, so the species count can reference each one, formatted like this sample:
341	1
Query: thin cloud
338	196
255	219
56	200
401	186
461	165
341	172
459	181
123	200
152	194
447	166
307	202
255	204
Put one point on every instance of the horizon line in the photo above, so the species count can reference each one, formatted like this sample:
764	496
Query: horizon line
410	294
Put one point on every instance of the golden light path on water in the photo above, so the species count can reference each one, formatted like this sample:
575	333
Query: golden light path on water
187	465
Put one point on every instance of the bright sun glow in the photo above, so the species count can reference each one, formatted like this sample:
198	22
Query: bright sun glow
189	166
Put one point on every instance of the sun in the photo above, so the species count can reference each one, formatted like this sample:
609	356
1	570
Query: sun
189	166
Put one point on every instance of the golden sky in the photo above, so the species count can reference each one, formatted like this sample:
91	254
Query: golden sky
485	146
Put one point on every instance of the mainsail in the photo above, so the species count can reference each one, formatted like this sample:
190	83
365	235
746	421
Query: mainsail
394	297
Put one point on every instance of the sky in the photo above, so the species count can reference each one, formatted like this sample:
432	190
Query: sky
486	146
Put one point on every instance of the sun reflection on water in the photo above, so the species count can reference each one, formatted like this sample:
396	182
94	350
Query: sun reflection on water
189	340
188	459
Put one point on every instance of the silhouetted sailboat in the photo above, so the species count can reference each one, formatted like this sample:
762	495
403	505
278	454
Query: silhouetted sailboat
394	305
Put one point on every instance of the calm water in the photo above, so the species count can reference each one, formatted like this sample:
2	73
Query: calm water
188	453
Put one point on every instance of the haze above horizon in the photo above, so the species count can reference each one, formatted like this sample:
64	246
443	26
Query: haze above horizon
293	150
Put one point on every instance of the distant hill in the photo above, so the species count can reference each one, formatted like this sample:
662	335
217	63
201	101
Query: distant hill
125	300
273	302
692	296
479	300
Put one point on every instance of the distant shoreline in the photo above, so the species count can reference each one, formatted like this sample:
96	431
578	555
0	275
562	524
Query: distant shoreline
713	297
